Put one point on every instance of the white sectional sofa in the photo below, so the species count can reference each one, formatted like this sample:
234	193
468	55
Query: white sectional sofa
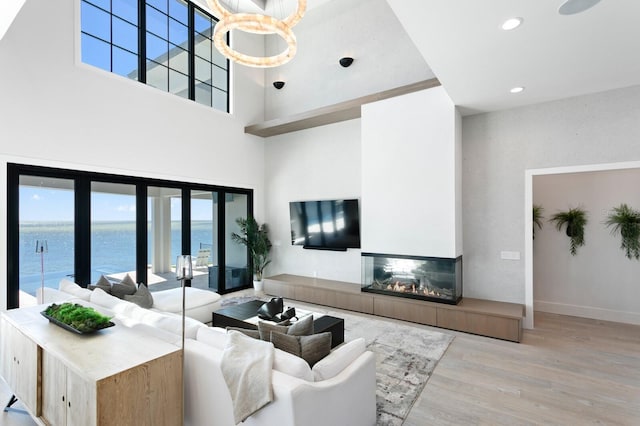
339	390
199	304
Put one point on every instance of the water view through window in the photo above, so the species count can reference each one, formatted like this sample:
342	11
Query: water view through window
46	221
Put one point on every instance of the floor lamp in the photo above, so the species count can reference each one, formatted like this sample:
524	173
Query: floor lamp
41	249
184	272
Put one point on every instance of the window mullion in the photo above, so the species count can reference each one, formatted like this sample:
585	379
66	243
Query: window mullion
142	41
192	55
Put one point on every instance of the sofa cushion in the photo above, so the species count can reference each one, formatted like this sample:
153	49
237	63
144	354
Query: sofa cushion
302	327
212	336
142	297
283	362
171	300
102	298
125	287
165	320
310	348
103	284
74	289
249	332
338	359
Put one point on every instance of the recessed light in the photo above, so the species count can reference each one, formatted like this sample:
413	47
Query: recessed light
518	89
512	24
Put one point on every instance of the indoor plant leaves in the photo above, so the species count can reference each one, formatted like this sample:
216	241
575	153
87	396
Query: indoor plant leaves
626	221
574	219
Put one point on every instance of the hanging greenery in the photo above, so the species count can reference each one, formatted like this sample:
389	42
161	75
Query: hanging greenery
575	219
537	218
626	221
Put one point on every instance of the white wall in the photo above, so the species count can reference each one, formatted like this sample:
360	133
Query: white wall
498	148
410	176
599	282
366	30
314	164
55	111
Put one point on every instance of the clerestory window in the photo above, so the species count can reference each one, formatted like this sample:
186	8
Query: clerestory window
167	44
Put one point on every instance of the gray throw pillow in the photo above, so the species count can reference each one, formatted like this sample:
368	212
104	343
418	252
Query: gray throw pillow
124	287
310	348
103	284
142	297
251	333
302	327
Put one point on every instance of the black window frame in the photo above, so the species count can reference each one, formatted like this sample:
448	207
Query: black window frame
192	9
82	221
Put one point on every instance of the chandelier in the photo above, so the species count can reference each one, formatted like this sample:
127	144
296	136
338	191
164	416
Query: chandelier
256	24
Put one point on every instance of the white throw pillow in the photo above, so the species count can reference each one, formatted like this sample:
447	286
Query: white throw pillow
292	365
74	289
331	365
102	298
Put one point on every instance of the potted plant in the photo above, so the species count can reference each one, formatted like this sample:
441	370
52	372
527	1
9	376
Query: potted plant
256	238
575	219
537	218
626	220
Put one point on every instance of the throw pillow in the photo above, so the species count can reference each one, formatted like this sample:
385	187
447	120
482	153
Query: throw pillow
310	348
124	287
251	333
142	297
74	289
341	357
302	327
103	283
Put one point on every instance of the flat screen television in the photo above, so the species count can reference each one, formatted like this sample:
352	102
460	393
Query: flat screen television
325	225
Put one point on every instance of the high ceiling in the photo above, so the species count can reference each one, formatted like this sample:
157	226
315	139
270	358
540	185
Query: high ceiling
553	56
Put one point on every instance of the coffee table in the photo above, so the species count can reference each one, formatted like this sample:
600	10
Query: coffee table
244	315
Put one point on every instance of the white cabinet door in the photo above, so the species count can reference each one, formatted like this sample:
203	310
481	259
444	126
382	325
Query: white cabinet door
67	398
54	386
20	365
81	400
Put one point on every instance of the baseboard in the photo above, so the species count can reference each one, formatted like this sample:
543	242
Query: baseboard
587	312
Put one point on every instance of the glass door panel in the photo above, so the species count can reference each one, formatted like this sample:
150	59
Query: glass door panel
164	231
204	241
237	264
113	230
46	234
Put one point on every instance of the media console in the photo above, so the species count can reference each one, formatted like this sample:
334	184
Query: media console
484	317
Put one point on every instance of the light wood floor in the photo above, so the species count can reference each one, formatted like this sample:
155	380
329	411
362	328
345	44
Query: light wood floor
567	371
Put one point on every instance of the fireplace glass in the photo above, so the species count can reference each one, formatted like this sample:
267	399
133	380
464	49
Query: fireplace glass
435	279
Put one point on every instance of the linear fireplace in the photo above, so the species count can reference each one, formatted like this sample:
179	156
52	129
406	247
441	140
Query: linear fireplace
435	279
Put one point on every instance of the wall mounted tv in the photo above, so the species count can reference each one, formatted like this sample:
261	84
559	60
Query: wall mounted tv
325	225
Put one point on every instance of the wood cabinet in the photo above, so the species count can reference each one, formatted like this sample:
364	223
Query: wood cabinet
67	398
20	364
485	317
114	377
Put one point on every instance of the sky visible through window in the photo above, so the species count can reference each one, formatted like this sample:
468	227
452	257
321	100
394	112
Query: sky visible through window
52	205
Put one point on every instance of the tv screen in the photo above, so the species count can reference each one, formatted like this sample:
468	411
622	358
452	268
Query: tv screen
328	224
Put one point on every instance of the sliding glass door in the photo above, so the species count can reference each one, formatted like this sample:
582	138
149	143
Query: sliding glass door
113	231
81	225
164	232
236	255
46	233
204	239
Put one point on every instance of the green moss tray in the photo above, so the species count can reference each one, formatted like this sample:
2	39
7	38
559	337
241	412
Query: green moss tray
73	329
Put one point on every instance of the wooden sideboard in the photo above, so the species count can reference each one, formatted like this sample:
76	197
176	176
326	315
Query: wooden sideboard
112	377
484	317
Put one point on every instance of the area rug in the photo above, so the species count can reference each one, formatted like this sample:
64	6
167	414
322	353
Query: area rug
406	356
